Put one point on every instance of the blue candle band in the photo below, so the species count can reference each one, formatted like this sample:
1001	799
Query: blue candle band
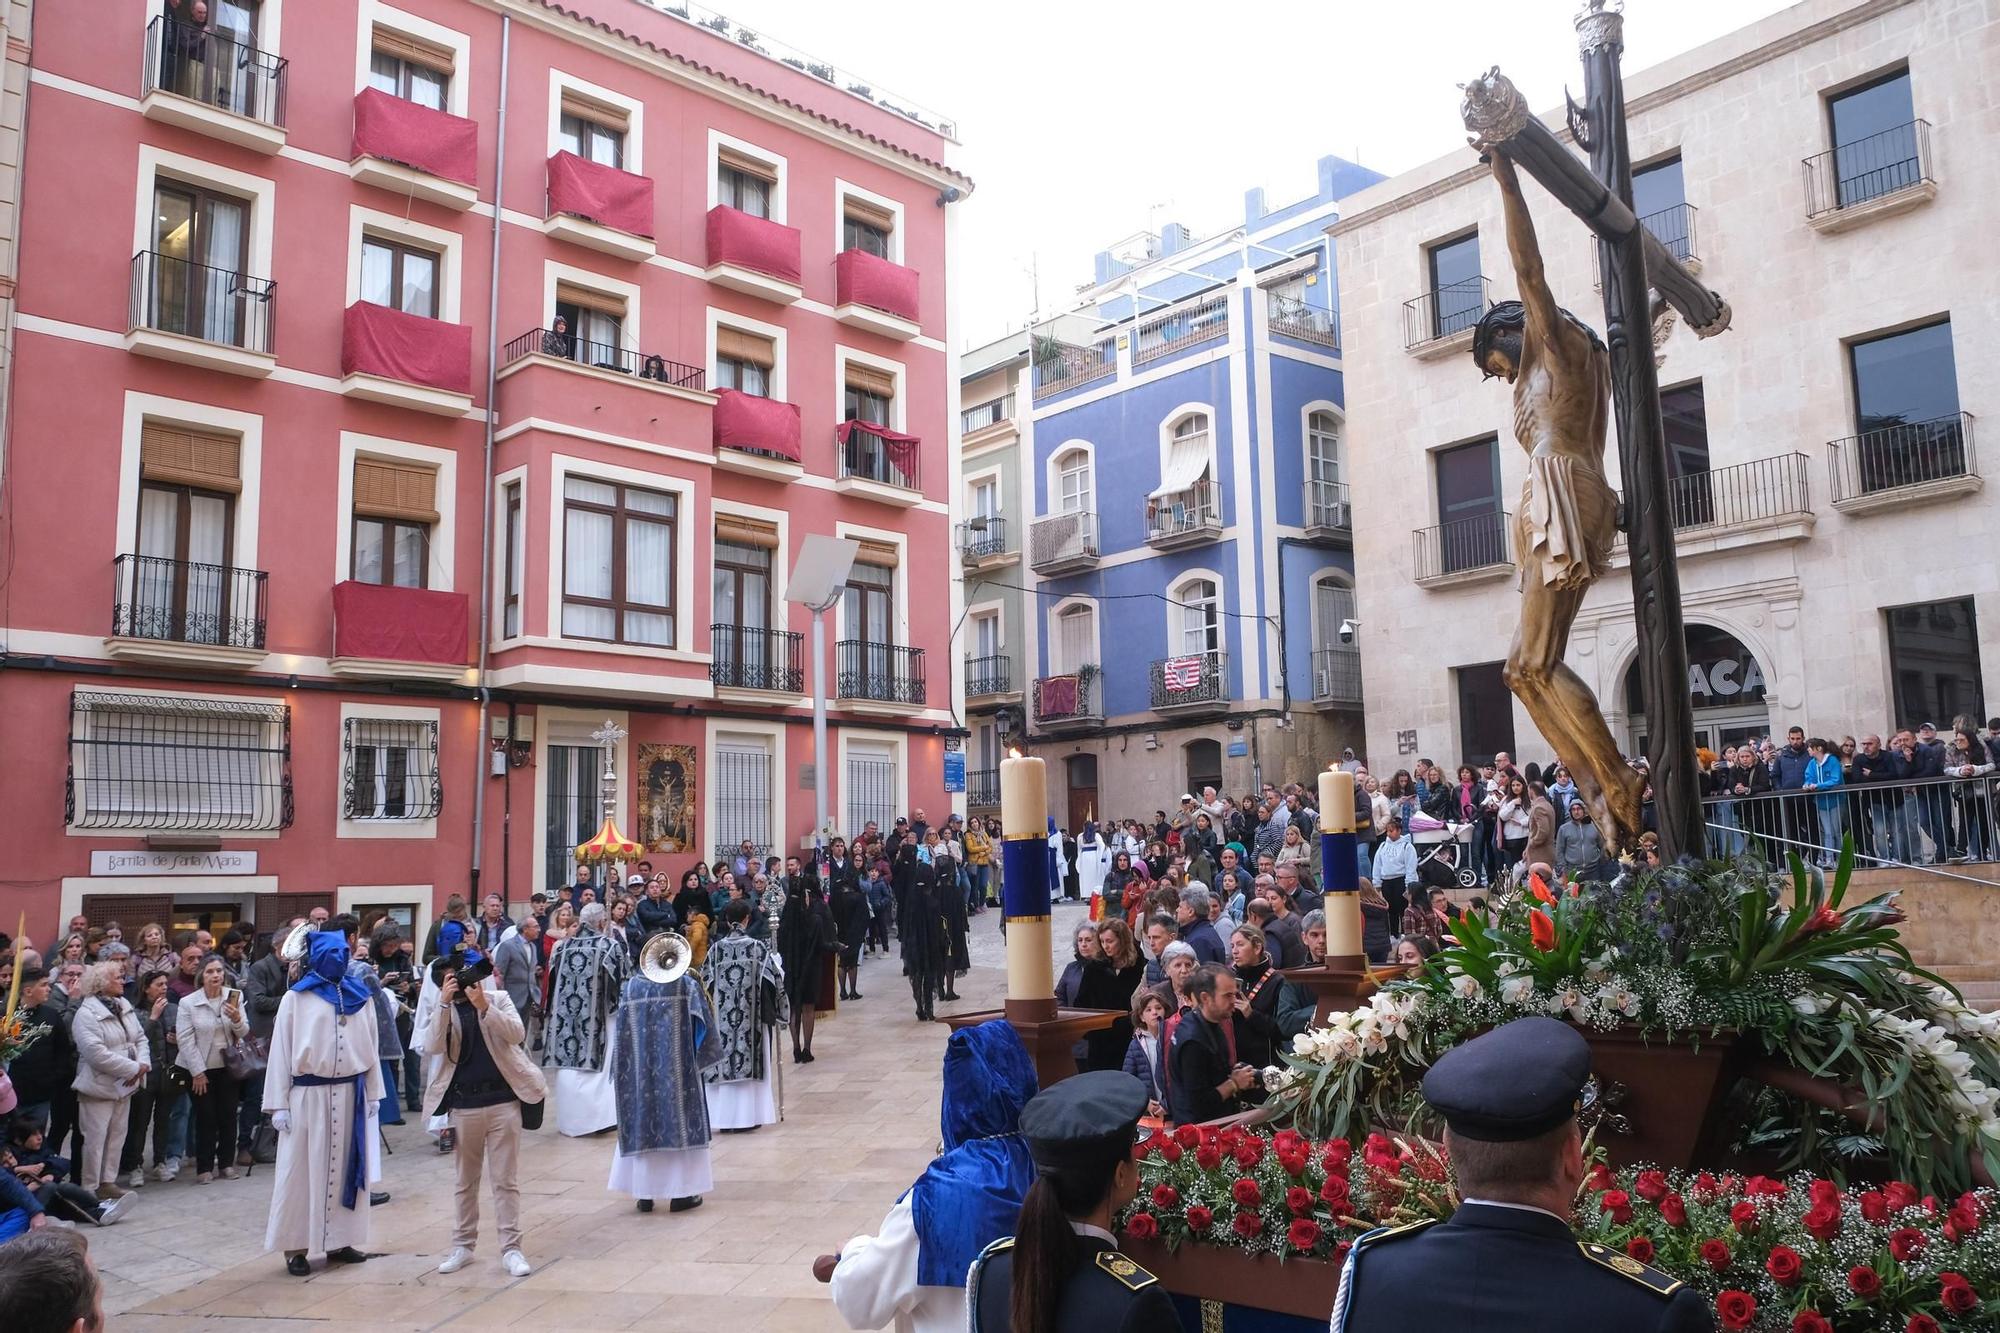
1024	883
1340	870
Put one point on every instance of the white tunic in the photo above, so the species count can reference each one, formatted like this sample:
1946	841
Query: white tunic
310	1037
1093	861
876	1282
746	1102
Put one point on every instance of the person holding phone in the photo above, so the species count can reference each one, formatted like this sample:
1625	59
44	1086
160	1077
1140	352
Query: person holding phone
209	1020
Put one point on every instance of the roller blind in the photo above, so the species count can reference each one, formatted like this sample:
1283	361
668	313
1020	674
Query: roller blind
384	489
590	300
880	554
414	51
748	165
601	113
746	531
190	458
737	345
867	379
874	215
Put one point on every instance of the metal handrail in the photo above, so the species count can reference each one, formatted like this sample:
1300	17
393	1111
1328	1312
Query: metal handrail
880	672
982	786
1762	489
1056	539
216	305
1060	366
1293	318
1915	822
982	415
1087	707
865	455
989	539
566	346
1336	675
1197	509
1465	544
1906	454
185	601
1184	326
1444	311
993	674
215	69
746	657
1211	685
1898	158
1327	505
1674	228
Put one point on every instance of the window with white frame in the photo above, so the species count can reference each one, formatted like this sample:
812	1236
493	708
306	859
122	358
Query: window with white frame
395	513
1186	465
589	327
391	769
866	226
516	557
983	498
744	361
1326	491
1075	639
871	783
1073	482
413	70
745	182
743	795
183	764
592	130
618	562
400	275
1198	612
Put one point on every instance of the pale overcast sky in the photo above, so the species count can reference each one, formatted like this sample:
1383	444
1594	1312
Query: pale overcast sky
1083	121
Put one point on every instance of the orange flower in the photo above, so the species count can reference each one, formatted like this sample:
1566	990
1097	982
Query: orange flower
1575	888
1541	931
1540	890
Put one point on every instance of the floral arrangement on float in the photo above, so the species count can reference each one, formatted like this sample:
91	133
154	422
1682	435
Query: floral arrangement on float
1800	1255
1878	1065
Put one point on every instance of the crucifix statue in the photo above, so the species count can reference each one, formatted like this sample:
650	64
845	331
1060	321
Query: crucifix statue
1561	375
608	736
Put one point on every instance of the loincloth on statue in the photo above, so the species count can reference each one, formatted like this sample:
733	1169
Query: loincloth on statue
1562	535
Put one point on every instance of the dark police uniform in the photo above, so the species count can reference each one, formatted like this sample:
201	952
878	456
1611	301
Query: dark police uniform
1077	1121
1499	1267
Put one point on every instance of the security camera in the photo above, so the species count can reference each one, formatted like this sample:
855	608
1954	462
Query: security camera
1347	630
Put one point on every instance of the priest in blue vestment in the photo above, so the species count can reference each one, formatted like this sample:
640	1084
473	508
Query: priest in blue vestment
662	1038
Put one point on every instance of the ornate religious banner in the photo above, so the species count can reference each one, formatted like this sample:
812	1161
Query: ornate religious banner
666	799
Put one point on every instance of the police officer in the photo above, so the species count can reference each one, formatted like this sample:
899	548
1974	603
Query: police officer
1061	1271
1509	1101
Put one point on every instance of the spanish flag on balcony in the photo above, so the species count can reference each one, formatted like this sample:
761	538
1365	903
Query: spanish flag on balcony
608	846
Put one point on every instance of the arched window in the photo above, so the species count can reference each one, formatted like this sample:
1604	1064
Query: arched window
1186	461
1336	665
1197	616
1073	482
1075	639
1326	489
1204	765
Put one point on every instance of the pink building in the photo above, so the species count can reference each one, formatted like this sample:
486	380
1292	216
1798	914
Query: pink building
279	457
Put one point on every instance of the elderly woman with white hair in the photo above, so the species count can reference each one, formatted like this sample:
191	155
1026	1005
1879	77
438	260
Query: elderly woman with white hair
113	1059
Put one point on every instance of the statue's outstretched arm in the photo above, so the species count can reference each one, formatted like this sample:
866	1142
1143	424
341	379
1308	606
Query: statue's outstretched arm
1544	321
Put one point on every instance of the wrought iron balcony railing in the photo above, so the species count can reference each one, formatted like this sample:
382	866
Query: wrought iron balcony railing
1904	455
744	657
1674	228
986	414
1443	311
1063	541
1463	545
1336	675
215	69
1188	515
1068	699
1753	492
988	676
1164	334
878	672
1327	506
184	601
216	305
982	538
566	346
1189	681
1295	319
870	455
1061	366
982	786
1868	169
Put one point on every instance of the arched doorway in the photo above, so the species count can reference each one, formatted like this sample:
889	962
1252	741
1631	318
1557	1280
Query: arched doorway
1725	683
1204	766
1081	775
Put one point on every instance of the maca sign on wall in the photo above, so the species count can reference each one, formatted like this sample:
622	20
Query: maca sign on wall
173	863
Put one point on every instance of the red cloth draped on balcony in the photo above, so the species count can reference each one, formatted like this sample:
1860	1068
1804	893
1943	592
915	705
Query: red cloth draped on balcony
398	624
602	194
902	449
379	341
1056	696
745	421
758	244
416	136
863	279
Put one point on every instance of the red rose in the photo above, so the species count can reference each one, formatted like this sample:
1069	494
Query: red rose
1757	1185
1200	1219
1951	1232
1340	1252
1823	1191
1336	1153
1715	1253
1166	1196
1208	1157
1673	1211
1142	1226
1921	1323
1705	1188
1901	1196
1617	1206
1743	1216
1228	1139
1304	1233
1247	1225
1970	1203
1299	1199
1929	1202
1957	1294
1906	1243
1965	1215
1188	1136
1810	1321
1335	1192
1170	1152
1875	1207
1823	1220
1601	1178
1152	1144
1246	1193
1864	1282
1650	1186
1784	1265
1288	1141
1249	1153
1640	1248
1292	1163
1736	1308
1379	1152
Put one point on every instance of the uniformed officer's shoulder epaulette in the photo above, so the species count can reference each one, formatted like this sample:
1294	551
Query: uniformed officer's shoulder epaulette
1000	1246
1647	1276
1381	1235
1127	1272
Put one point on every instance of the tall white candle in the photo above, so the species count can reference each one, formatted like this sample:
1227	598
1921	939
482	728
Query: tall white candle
1024	797
1024	816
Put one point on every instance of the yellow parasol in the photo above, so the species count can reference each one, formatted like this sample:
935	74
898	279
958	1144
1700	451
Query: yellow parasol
608	846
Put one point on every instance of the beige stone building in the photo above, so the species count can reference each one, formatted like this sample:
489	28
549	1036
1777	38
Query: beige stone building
1830	170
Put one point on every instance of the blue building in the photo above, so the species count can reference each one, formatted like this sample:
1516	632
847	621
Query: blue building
1189	540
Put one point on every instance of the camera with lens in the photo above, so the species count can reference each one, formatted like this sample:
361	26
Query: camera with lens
471	974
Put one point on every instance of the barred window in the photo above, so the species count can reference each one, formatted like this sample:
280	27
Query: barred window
140	762
871	785
392	769
742	797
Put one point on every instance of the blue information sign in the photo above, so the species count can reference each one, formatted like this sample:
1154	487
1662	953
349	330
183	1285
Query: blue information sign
954	770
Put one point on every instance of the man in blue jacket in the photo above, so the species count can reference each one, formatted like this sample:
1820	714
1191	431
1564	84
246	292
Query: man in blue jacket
1788	773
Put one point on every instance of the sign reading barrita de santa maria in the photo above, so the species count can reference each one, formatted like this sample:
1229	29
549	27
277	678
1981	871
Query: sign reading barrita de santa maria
145	862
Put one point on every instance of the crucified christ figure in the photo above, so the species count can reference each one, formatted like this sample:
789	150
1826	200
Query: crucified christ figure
1568	514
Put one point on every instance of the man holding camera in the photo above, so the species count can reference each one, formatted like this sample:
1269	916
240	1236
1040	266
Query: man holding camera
483	1082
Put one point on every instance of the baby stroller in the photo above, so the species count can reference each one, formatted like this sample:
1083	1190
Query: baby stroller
1444	852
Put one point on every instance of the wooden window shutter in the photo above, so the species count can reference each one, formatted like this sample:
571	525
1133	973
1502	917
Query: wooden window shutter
867	379
748	165
385	489
601	113
590	300
414	51
746	531
182	457
880	554
872	214
738	345
132	912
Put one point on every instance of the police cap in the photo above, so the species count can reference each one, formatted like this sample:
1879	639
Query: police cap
1083	1120
1518	1081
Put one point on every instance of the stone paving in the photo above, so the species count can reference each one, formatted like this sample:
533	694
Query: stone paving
860	1124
